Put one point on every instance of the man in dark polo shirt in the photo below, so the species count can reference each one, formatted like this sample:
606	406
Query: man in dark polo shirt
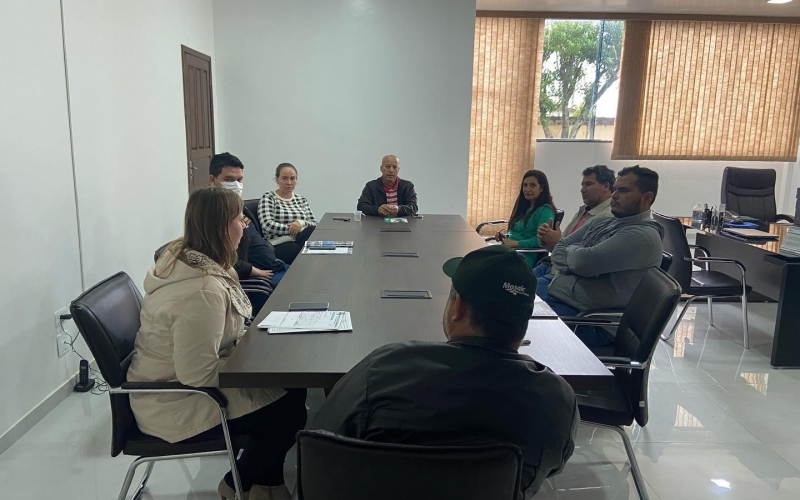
475	388
388	195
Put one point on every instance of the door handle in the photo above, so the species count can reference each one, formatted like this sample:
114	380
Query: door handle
191	166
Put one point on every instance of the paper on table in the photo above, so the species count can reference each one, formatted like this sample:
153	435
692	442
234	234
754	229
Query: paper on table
542	310
306	321
326	251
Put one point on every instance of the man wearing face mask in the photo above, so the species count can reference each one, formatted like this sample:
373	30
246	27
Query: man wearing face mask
256	255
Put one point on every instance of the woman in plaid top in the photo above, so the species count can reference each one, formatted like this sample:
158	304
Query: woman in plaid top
286	218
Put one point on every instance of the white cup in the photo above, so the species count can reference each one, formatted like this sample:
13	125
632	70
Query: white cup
357	215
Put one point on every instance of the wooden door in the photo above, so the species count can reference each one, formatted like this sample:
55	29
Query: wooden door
199	115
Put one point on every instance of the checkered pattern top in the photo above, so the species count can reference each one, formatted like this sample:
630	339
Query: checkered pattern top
275	214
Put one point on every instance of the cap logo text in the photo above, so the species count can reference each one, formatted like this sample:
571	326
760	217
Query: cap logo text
514	289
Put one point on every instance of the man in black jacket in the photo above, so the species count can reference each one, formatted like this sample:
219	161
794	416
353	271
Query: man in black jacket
476	387
388	196
256	255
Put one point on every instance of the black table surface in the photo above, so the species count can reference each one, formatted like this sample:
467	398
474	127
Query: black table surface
354	282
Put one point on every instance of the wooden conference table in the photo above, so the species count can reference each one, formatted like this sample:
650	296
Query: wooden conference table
354	282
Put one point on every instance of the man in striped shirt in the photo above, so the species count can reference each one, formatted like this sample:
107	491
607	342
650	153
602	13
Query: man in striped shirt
388	196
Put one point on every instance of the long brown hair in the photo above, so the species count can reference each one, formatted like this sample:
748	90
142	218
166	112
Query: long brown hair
520	210
205	225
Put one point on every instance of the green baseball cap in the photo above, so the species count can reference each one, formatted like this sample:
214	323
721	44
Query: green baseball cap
495	275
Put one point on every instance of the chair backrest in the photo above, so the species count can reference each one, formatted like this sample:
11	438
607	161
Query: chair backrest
640	327
750	192
332	467
107	317
252	207
676	244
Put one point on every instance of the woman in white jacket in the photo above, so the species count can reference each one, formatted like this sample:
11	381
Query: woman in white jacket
193	313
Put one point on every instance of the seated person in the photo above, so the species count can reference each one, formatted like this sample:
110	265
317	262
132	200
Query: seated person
534	207
600	265
596	189
388	196
286	217
473	389
192	315
256	256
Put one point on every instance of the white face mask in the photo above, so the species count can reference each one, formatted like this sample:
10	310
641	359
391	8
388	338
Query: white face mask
234	186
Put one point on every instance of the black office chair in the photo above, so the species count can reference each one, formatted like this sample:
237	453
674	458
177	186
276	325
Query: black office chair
703	284
331	467
107	316
611	317
647	314
252	207
258	290
751	192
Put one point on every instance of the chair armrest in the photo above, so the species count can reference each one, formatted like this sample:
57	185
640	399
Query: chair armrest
489	223
718	260
787	218
621	362
577	320
174	387
262	282
703	250
532	250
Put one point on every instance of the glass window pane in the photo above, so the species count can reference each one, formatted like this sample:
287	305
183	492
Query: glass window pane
578	96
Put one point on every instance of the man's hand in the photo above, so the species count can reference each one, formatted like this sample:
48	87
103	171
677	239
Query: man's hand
393	210
295	228
258	273
549	237
385	210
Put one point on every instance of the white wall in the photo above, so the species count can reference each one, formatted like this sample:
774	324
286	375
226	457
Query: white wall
39	261
126	95
333	85
126	90
682	183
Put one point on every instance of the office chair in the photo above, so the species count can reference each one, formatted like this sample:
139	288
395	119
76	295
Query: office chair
258	290
332	467
647	314
751	192
107	316
611	317
703	284
252	207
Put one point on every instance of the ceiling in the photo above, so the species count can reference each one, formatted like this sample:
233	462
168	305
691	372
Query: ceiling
709	7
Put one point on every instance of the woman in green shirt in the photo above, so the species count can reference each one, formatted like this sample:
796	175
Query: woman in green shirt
534	207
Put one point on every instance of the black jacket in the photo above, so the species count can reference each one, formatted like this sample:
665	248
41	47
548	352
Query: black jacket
463	392
373	196
254	250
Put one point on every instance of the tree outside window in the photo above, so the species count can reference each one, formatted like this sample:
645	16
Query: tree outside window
580	69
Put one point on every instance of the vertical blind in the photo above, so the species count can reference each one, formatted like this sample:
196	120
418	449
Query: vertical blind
505	102
709	90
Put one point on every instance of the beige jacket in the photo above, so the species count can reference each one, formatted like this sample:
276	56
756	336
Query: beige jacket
190	322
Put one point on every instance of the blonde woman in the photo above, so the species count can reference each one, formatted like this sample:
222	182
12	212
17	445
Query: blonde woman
286	217
193	313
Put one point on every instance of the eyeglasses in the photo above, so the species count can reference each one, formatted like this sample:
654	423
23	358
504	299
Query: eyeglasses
245	221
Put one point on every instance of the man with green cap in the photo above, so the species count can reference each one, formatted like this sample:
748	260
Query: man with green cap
475	388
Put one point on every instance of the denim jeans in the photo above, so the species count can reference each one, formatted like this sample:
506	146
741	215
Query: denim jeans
278	276
592	336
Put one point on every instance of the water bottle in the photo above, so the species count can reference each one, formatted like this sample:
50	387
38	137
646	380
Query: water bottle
697	217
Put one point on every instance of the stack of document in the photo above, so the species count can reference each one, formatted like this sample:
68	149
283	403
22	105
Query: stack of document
307	322
791	242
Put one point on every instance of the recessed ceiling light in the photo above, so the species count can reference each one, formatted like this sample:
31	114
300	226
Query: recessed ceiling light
778	1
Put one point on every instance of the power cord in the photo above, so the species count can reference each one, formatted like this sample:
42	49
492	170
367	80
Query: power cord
100	387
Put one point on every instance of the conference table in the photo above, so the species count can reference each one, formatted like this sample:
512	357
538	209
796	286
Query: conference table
354	283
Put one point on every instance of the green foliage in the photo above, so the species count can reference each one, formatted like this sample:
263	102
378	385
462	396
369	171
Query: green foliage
568	74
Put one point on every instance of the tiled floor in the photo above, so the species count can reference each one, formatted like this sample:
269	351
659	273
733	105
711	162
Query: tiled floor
723	424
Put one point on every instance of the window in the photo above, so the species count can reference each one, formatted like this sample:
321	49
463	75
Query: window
580	73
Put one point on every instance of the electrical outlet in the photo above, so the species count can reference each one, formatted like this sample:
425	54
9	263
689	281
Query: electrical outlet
57	318
62	343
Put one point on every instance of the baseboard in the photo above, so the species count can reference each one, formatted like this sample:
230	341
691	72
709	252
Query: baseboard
26	423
